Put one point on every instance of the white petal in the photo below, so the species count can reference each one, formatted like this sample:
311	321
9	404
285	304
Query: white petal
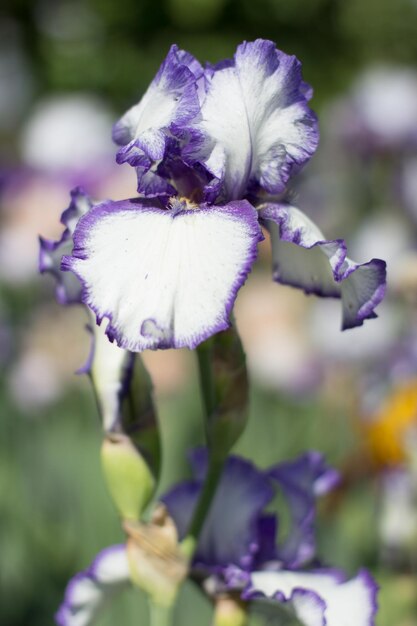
110	368
164	278
352	603
308	607
88	591
171	97
269	582
225	123
111	566
308	594
256	114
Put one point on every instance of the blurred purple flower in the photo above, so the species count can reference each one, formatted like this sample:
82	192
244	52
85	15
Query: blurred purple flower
237	549
238	531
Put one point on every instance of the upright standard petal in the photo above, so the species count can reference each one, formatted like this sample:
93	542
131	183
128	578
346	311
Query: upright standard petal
68	287
165	278
146	130
257	126
303	258
319	598
88	592
231	532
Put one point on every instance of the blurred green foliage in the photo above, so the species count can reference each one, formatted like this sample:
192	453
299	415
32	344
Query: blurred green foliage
114	48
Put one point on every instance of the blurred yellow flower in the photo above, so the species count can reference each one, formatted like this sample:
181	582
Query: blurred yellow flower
388	429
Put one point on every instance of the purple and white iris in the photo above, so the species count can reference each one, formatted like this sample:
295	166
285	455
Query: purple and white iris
214	149
237	550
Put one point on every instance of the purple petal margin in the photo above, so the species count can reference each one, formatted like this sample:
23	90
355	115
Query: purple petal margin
67	611
252	594
301	481
371	275
373	589
241	210
293	92
80	204
177	78
50	254
68	288
263	168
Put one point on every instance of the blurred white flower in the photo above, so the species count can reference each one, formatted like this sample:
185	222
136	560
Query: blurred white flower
34	382
67	133
384	101
271	324
397	519
40	374
28	207
386	234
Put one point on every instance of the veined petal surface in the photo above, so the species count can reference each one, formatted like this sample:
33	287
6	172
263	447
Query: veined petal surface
319	598
165	278
303	258
257	125
88	591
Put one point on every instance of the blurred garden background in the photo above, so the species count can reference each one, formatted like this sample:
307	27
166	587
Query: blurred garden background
68	69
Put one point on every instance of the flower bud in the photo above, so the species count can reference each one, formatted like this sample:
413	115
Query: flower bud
157	565
128	477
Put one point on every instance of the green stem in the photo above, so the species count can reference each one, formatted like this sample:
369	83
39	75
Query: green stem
160	615
204	356
215	468
208	491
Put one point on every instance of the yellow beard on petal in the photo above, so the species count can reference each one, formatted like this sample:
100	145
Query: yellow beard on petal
182	204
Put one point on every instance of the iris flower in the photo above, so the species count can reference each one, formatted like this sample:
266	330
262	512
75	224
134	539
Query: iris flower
214	149
237	551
